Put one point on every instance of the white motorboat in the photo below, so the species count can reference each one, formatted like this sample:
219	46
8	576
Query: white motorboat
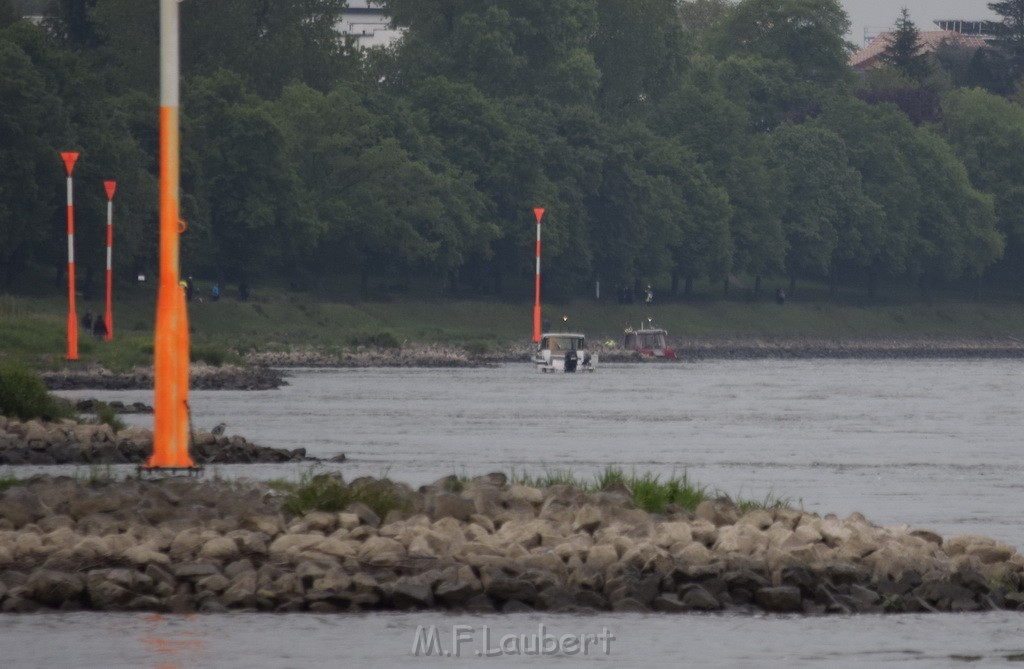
564	352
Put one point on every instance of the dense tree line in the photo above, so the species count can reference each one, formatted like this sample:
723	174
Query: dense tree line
670	141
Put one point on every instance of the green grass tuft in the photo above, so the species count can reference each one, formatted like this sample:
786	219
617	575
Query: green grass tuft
9	481
650	493
329	492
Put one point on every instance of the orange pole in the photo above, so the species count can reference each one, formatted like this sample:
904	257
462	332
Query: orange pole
110	187
69	158
538	213
170	410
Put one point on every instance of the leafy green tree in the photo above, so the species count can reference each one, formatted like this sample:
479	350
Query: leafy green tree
1009	34
269	44
29	163
8	13
70	22
700	17
502	47
957	232
707	115
810	34
258	223
876	140
822	190
987	134
382	208
638	47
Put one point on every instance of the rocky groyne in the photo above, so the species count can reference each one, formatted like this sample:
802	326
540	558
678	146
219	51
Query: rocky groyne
201	377
70	442
485	545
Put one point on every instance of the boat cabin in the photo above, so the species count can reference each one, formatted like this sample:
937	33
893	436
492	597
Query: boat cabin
649	342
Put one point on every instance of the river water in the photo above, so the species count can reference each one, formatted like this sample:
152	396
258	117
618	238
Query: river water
933	444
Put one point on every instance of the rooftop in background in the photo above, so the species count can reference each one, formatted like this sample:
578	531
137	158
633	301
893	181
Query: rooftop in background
965	37
965	27
961	26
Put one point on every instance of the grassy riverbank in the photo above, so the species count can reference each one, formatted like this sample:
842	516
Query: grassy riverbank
33	329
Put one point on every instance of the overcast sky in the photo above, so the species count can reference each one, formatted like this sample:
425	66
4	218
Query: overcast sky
879	14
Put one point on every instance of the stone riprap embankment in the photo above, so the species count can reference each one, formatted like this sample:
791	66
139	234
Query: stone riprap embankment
201	377
719	348
415	355
69	442
184	545
809	348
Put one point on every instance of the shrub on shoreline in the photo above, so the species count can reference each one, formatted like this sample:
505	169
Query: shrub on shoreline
24	396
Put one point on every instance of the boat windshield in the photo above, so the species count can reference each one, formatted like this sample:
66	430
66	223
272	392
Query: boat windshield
563	343
652	340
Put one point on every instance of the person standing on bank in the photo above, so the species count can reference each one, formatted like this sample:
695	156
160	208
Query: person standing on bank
215	292
99	328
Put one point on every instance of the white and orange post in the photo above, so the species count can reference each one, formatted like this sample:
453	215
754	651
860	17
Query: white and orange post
538	213
171	344
69	158
108	317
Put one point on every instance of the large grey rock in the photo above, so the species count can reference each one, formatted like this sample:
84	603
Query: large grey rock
779	599
410	592
699	599
449	505
54	588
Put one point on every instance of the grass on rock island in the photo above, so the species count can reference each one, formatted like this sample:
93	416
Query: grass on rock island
322	491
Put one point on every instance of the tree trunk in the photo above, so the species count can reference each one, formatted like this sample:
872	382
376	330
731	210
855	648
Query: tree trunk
757	287
675	283
833	282
496	276
792	284
872	283
725	286
364	281
688	287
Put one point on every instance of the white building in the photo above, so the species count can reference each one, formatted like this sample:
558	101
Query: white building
367	22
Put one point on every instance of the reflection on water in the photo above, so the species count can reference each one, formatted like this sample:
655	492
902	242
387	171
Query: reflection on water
930	443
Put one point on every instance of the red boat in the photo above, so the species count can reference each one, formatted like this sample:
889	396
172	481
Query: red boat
649	342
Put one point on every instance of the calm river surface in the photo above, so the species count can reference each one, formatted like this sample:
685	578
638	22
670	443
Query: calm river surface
934	444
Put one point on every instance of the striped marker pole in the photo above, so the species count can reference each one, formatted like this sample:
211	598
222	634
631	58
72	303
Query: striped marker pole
69	158
171	343
110	187
538	213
